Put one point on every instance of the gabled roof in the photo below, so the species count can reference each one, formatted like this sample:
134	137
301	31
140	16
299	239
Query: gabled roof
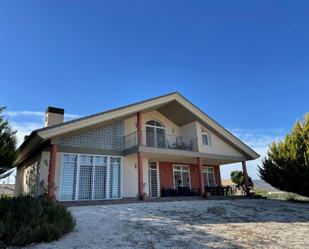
175	99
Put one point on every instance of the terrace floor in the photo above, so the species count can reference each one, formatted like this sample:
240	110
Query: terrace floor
239	223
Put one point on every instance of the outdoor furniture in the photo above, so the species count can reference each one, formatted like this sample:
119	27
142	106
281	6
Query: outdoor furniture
217	191
183	191
167	192
178	143
171	145
193	192
228	191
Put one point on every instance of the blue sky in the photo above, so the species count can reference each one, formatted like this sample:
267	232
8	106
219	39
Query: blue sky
245	63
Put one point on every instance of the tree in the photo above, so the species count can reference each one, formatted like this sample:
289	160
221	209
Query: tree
286	165
8	143
238	178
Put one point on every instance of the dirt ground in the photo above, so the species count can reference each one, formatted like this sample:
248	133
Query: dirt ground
190	224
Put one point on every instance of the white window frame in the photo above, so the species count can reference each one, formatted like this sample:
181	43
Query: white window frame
181	165
158	177
204	171
205	133
107	196
155	131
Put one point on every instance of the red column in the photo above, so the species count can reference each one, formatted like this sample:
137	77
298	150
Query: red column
140	168
51	171
201	177
244	171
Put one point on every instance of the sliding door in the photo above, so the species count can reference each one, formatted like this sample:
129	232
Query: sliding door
181	176
90	177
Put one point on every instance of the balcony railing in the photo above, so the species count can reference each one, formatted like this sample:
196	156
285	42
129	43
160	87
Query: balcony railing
161	140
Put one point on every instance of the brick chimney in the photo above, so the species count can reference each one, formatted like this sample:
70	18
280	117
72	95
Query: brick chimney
53	116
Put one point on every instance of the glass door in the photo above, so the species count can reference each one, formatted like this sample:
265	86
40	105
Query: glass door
153	179
181	176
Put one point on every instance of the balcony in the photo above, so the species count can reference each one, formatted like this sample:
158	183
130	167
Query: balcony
162	141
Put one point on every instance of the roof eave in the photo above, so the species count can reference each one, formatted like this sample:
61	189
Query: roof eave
28	147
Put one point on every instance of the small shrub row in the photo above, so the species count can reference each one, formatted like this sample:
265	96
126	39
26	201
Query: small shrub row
26	220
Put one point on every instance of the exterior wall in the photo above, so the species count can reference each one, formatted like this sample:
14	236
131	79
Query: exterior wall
130	125
19	183
130	176
167	178
130	183
194	177
44	168
28	177
166	175
217	145
191	130
109	137
41	164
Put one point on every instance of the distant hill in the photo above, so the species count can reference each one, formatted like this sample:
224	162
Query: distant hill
262	185
258	184
7	189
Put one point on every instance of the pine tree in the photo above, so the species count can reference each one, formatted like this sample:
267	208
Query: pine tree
286	165
8	144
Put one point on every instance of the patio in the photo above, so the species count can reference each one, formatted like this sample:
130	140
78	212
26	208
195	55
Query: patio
190	224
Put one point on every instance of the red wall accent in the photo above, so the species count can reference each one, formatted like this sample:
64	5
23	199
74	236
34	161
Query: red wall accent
194	176
166	175
139	128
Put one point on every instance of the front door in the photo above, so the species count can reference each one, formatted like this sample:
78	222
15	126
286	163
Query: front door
153	179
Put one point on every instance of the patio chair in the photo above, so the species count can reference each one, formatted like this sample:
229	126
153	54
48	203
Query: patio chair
184	191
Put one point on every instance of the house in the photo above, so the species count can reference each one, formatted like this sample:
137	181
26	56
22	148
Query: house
132	151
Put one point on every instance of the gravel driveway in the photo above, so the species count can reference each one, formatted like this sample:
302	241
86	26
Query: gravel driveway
190	224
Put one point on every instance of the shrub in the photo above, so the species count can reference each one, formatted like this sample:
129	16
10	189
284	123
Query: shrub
26	220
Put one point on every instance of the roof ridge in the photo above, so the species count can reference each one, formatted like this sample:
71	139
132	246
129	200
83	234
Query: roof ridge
107	111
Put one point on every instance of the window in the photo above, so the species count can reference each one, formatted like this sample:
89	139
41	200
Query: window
209	177
114	187
69	170
155	134
205	137
181	176
86	177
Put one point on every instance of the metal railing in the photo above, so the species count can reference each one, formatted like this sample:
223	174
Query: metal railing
161	140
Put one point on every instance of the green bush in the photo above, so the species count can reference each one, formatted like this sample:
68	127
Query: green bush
26	220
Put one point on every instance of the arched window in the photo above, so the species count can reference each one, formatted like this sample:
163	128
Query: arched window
155	134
